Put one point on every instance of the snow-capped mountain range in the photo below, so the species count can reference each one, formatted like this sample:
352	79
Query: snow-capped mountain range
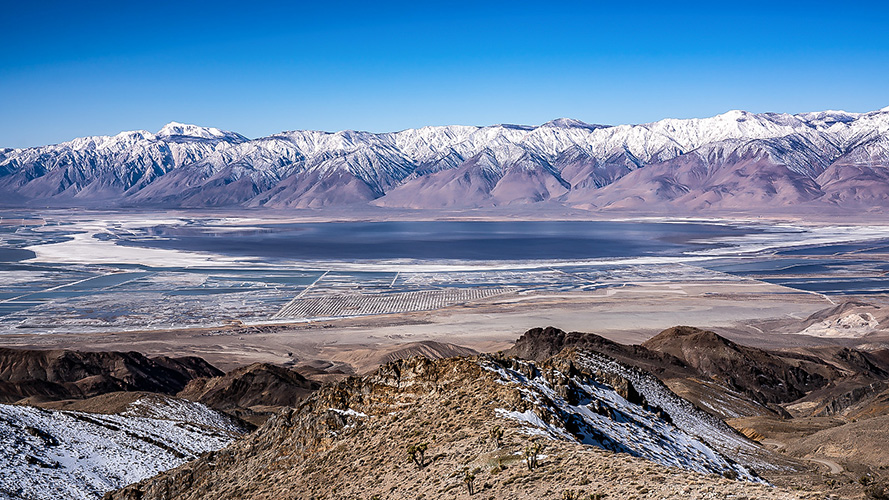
736	160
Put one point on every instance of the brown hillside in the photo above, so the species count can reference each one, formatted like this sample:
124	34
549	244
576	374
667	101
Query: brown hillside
723	377
541	343
762	375
256	385
864	441
367	359
64	374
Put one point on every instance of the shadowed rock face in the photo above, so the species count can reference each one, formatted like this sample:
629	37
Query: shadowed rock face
256	384
767	377
63	374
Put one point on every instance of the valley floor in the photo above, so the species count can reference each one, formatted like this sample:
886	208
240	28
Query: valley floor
628	305
629	315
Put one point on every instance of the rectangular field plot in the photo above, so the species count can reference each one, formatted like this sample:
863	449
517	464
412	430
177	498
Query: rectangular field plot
353	304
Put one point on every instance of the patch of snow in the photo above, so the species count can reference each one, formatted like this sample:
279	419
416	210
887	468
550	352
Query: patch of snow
73	455
601	417
535	425
180	410
350	412
684	415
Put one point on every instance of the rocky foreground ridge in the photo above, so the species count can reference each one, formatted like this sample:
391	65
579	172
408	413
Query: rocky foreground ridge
489	425
733	161
728	379
561	414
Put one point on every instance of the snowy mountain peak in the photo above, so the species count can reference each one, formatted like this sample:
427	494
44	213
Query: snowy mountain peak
734	113
569	123
188	130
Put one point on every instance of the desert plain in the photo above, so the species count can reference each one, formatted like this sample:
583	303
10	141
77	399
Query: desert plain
627	303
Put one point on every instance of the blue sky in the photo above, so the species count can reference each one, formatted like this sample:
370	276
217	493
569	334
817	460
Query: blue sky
69	69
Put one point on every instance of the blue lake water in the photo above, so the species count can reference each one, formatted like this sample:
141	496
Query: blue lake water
442	240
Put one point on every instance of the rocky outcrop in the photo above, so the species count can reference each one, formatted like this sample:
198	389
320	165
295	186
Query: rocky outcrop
728	379
840	404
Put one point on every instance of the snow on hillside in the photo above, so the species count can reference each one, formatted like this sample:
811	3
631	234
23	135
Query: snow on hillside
180	410
683	414
582	409
187	131
47	454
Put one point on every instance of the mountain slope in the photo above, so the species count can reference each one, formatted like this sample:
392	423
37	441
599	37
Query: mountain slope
733	161
727	175
251	392
95	169
77	455
764	376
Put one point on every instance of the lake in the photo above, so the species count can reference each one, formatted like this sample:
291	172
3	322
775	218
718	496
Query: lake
441	240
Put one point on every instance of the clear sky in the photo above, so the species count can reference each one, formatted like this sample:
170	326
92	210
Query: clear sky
70	69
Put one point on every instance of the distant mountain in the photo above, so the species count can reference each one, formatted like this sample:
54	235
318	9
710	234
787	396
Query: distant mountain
733	161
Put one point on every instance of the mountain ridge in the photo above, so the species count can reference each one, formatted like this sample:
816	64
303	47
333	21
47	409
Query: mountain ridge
60	374
735	160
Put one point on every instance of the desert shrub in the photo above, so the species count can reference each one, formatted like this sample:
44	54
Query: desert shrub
417	454
530	455
469	479
877	491
496	435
